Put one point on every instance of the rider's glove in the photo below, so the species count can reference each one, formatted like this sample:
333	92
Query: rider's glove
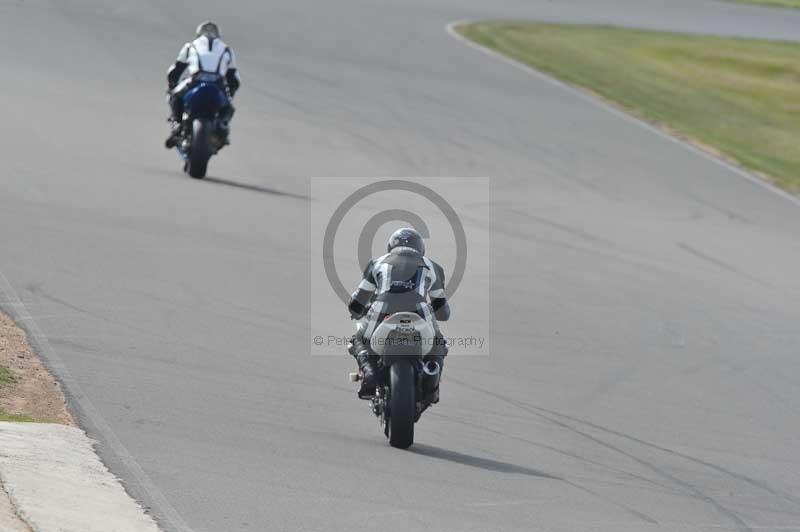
357	310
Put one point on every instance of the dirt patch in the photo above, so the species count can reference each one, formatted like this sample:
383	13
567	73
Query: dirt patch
27	390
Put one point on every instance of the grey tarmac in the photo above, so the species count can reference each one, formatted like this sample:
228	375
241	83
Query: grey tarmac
643	374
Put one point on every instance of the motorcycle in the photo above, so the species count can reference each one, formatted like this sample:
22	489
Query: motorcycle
405	384
203	129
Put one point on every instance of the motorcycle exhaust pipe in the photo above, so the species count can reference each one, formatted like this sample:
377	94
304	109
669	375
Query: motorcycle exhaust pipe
431	368
431	371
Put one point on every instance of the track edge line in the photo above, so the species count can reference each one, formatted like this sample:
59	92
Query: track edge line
588	97
168	517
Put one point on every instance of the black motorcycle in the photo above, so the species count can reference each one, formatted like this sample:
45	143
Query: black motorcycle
405	385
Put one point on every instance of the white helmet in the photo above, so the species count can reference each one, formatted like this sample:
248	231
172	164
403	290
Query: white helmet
209	29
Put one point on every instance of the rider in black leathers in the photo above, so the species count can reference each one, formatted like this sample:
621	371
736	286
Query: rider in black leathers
400	281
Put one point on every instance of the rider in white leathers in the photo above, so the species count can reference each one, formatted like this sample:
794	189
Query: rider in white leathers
206	58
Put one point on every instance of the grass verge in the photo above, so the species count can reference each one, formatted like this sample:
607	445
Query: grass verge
5	416
773	3
27	391
740	97
7	379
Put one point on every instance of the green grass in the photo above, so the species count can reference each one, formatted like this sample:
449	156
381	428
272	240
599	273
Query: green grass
740	97
7	378
775	3
5	416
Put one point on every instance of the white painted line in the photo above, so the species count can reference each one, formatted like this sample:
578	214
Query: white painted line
13	306
585	96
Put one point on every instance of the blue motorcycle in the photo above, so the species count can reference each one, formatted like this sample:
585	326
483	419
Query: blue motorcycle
204	128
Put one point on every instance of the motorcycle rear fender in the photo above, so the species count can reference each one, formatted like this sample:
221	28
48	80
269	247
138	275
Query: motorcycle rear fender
402	334
204	100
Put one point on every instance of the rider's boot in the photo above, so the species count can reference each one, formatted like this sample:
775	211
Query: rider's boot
365	366
367	371
225	132
225	117
174	135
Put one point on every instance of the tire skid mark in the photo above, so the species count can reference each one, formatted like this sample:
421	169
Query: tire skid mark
632	511
720	264
562	452
550	416
573	484
737	476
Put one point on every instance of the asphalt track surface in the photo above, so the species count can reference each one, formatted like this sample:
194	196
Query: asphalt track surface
644	372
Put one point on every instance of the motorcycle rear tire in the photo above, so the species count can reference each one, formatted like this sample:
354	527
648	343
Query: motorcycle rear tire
402	405
200	151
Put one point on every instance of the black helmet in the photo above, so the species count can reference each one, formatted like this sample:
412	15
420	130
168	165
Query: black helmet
209	29
407	238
